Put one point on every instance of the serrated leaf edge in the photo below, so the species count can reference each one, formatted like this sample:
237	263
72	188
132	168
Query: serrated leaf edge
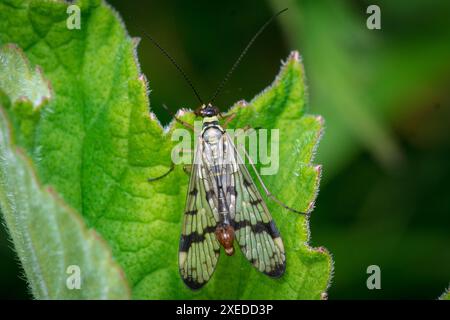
38	70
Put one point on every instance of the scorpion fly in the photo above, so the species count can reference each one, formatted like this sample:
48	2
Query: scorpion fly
223	204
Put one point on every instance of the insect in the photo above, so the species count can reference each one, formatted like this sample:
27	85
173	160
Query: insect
223	204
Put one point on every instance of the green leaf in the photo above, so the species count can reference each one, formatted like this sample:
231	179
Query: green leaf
19	81
48	236
98	145
445	295
28	91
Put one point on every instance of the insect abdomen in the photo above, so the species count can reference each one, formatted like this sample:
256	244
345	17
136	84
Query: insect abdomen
225	235
214	156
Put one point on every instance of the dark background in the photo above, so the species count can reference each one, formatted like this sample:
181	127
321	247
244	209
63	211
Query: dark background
384	196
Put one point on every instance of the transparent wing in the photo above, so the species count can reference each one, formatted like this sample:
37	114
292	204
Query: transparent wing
255	230
199	249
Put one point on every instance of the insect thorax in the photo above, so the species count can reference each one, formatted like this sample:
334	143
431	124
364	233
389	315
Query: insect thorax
212	132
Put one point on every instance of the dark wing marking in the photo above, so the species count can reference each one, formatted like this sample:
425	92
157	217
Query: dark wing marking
258	237
199	248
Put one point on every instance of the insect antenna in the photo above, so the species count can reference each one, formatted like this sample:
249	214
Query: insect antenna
189	82
238	60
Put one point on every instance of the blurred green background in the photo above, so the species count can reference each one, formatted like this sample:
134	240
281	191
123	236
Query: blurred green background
385	194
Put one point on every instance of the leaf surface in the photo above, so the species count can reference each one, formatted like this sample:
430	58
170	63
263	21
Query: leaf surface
97	144
48	236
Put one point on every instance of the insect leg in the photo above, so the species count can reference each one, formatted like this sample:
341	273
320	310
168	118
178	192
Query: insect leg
249	129
266	190
228	119
187	168
163	175
184	123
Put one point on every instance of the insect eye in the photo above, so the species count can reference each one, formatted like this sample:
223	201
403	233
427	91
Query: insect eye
207	112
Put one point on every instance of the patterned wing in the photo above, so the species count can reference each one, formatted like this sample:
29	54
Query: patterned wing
199	249
258	237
